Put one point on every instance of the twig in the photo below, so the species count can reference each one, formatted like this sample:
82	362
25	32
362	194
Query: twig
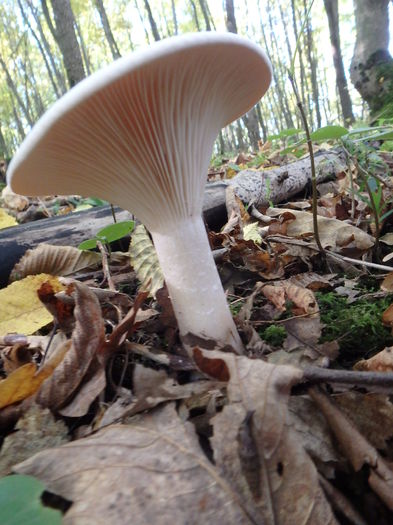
316	375
360	263
105	266
312	161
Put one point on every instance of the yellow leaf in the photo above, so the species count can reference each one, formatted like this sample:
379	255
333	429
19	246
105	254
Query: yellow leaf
25	380
21	310
6	220
18	386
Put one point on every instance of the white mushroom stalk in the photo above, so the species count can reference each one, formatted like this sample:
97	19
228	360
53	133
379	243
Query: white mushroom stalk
139	133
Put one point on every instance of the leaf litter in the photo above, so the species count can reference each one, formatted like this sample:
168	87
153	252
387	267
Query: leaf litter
214	438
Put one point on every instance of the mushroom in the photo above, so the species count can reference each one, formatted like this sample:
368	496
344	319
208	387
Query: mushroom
140	133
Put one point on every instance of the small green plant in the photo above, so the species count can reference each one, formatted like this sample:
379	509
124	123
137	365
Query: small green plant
109	234
274	335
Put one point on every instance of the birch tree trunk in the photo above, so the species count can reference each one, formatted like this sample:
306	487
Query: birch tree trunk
331	7
372	65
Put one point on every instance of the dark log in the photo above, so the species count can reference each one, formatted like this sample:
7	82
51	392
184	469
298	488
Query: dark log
70	230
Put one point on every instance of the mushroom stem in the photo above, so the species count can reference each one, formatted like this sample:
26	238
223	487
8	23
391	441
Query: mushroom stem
194	285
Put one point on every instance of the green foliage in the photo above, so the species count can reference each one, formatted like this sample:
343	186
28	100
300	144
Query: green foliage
356	326
109	234
20	503
274	335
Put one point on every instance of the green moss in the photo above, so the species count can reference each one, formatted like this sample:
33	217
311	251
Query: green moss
274	335
357	327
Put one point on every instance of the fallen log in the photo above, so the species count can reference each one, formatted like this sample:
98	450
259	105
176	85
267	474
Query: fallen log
251	186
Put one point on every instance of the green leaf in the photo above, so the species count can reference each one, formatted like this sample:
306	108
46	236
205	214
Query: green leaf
89	244
115	231
94	201
285	133
109	234
20	503
329	133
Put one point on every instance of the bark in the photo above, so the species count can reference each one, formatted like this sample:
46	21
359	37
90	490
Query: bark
331	7
58	74
142	22
83	48
107	29
250	186
64	34
152	22
41	48
250	120
372	65
230	20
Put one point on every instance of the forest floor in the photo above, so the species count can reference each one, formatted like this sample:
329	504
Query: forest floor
102	406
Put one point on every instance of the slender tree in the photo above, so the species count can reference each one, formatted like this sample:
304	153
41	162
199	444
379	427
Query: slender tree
312	61
45	43
107	29
51	75
174	16
331	7
152	22
63	31
205	13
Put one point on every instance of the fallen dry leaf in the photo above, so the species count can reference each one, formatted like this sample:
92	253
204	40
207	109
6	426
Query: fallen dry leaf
152	469
334	234
380	362
87	339
356	448
151	388
144	260
36	430
54	260
258	452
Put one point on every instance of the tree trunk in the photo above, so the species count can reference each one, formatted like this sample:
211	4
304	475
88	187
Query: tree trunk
195	13
230	20
4	153
372	65
174	17
41	48
202	3
83	48
331	7
152	22
107	29
15	93
313	66
64	34
58	74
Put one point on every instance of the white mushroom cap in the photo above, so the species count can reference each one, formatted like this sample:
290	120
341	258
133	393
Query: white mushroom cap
140	132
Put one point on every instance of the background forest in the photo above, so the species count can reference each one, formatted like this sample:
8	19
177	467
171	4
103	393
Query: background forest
47	46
